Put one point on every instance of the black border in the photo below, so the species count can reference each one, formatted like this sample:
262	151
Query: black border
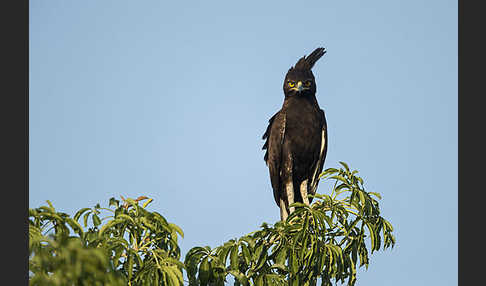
471	143
14	22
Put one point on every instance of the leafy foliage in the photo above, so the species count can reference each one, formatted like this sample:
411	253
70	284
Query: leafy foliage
322	241
133	247
125	244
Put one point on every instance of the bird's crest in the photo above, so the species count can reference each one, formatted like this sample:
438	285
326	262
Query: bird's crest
306	63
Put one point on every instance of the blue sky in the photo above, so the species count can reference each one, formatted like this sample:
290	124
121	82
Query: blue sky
170	100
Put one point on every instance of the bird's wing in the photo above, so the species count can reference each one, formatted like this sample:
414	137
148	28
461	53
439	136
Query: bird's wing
266	137
322	156
274	136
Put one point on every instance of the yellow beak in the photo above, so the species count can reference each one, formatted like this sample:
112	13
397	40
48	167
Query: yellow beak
300	87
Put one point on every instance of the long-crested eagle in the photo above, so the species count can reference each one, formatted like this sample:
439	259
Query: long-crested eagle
296	138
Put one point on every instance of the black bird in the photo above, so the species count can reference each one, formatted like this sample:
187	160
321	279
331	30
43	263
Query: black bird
296	138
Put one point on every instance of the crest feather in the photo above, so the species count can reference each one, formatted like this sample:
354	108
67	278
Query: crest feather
306	63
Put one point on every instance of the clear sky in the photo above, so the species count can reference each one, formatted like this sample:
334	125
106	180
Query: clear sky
169	99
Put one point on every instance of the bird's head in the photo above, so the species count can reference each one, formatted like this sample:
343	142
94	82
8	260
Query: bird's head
299	80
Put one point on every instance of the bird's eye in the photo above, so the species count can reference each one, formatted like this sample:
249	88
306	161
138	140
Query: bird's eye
291	83
308	83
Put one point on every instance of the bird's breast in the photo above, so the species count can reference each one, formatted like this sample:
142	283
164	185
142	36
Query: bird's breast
303	127
303	132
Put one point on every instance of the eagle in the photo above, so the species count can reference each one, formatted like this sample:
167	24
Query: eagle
296	138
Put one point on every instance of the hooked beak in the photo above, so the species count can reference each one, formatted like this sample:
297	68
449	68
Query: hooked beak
299	87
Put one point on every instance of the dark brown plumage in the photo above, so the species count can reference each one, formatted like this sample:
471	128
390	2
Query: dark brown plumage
296	138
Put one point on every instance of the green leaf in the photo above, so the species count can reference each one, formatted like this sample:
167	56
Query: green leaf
249	240
281	256
129	265
345	165
191	261
223	253
239	276
246	254
388	225
262	259
85	219
109	224
340	178
375	194
173	275
114	202
234	258
372	236
259	280
204	272
257	252
75	226
331	170
177	229
198	250
46	209
279	266
131	202
125	217
53	216
51	206
96	220
294	264
158	217
361	197
298	204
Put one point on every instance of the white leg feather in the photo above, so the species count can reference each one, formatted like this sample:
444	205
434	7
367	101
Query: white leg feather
289	188
303	192
283	210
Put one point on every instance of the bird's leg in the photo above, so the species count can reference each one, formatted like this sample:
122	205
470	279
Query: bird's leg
303	192
289	181
283	210
289	188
